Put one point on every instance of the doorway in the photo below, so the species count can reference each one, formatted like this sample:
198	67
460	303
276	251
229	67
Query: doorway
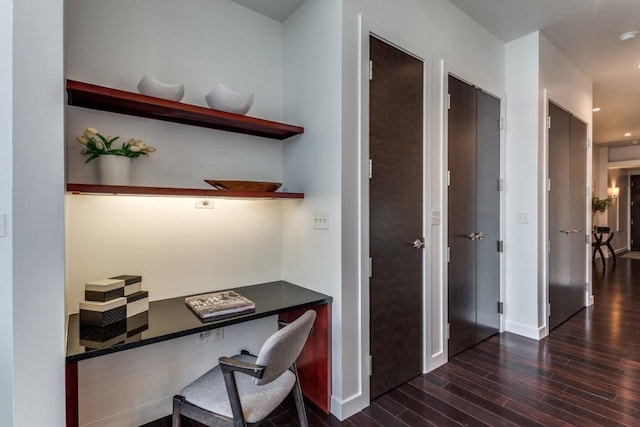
474	215
568	235
396	118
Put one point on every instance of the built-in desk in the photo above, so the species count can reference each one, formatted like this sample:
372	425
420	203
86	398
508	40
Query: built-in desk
171	318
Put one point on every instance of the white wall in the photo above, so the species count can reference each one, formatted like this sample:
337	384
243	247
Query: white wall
6	238
199	43
522	185
436	31
312	258
38	237
535	71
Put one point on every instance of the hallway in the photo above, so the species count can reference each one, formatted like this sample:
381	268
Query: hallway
587	372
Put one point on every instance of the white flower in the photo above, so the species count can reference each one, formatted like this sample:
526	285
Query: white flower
132	141
135	148
82	140
149	150
99	145
140	143
90	132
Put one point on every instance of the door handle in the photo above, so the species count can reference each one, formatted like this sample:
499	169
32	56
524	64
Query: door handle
418	244
470	236
482	235
567	232
573	230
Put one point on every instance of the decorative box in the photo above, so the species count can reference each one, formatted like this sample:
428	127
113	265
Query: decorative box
94	337
137	303
104	290
95	313
132	284
137	324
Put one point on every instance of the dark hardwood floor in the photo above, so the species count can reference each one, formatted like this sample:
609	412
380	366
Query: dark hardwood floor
585	373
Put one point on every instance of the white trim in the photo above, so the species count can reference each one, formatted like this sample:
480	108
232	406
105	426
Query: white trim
137	416
526	330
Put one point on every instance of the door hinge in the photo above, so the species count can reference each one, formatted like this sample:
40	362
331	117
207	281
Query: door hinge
586	239
448	254
448	101
548	309
548	122
448	331
370	70
501	123
500	184
370	168
548	184
586	286
500	246
448	178
587	142
500	307
586	191
370	365
370	267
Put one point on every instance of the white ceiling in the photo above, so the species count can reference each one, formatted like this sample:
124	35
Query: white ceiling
279	10
586	31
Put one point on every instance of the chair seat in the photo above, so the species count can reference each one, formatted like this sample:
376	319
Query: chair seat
209	392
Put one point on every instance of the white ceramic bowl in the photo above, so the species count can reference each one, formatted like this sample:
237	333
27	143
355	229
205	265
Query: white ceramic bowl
152	87
224	99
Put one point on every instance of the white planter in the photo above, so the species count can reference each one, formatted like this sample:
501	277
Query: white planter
114	170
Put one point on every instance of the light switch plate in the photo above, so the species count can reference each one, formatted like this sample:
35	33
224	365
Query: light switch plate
435	217
320	220
522	217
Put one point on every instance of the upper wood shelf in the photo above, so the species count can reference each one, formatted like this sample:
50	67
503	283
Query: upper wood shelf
171	191
135	104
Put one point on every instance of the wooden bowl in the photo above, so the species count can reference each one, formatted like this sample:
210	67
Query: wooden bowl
243	185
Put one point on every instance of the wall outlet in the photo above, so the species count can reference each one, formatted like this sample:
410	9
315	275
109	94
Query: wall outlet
522	217
204	204
435	217
218	334
321	220
203	337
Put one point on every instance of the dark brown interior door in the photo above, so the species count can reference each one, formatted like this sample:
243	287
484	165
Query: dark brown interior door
462	216
396	216
567	210
635	212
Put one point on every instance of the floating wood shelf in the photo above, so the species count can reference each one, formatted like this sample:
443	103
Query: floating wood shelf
134	104
171	191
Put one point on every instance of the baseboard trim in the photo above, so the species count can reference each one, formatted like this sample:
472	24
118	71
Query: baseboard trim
535	333
137	416
343	409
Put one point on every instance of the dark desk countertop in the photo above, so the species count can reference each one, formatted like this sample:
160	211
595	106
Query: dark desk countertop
171	318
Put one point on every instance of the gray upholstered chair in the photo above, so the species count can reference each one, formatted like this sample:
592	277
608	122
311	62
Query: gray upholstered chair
244	389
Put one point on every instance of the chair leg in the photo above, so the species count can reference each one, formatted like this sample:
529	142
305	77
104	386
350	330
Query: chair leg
175	419
297	396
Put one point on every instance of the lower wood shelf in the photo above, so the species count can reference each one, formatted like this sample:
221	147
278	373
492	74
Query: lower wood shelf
172	191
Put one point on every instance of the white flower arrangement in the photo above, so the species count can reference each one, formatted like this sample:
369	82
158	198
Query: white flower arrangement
95	145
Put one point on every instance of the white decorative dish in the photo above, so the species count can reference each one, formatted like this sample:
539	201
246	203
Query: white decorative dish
152	87
224	99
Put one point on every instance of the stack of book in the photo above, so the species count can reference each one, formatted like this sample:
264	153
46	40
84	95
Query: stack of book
219	305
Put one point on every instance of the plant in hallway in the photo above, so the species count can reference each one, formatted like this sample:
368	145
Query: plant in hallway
96	145
600	205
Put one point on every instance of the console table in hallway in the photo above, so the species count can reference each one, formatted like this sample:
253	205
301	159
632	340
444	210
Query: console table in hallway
598	242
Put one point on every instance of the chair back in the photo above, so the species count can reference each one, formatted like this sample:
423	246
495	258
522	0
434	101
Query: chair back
282	349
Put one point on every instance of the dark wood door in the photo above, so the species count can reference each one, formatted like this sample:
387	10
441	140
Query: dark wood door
462	216
567	210
635	212
487	214
396	218
577	216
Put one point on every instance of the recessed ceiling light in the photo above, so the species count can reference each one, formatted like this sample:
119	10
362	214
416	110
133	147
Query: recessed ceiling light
628	134
629	35
595	110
